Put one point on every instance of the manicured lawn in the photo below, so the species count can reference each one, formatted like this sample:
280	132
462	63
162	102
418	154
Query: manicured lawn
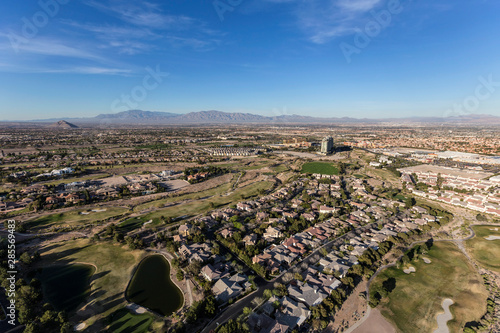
75	217
321	168
416	300
114	268
125	322
486	252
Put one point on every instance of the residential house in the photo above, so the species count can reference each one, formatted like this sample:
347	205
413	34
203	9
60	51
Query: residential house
291	313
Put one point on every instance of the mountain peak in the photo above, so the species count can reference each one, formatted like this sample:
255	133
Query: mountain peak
63	124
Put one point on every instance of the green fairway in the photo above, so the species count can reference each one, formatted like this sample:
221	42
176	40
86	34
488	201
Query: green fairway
66	286
486	252
321	168
76	179
75	217
193	208
201	194
114	268
280	168
125	322
416	299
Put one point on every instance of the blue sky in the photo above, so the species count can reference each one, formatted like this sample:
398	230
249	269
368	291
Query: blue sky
330	58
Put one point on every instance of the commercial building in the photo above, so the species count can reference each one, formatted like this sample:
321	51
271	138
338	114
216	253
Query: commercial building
327	145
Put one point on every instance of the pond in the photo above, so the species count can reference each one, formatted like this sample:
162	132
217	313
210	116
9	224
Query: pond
152	288
66	286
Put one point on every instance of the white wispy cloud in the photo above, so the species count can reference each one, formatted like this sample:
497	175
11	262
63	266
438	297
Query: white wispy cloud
53	69
38	55
357	5
127	40
85	70
325	20
145	14
145	24
44	46
91	46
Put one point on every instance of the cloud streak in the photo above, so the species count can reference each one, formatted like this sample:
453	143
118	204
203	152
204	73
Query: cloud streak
147	15
48	47
325	20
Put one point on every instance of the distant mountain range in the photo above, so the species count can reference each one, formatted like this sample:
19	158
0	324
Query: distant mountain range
139	117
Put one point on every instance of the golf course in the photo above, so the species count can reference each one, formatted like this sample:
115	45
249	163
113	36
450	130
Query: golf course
417	297
485	246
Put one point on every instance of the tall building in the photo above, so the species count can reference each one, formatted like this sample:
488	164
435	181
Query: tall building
327	145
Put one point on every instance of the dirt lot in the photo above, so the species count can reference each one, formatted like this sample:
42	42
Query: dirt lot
352	310
375	323
206	185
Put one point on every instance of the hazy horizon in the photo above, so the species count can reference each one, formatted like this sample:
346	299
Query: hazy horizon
82	117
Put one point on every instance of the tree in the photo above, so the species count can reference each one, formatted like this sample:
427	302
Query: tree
481	218
233	326
25	258
247	311
348	281
180	275
210	306
119	237
389	285
316	325
194	268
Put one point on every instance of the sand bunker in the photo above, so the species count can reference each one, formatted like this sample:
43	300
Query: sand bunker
410	270
137	309
426	260
443	318
80	327
84	213
150	221
99	210
492	237
494	229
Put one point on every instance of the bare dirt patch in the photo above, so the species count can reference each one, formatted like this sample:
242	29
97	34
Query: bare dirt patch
352	310
375	323
250	177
